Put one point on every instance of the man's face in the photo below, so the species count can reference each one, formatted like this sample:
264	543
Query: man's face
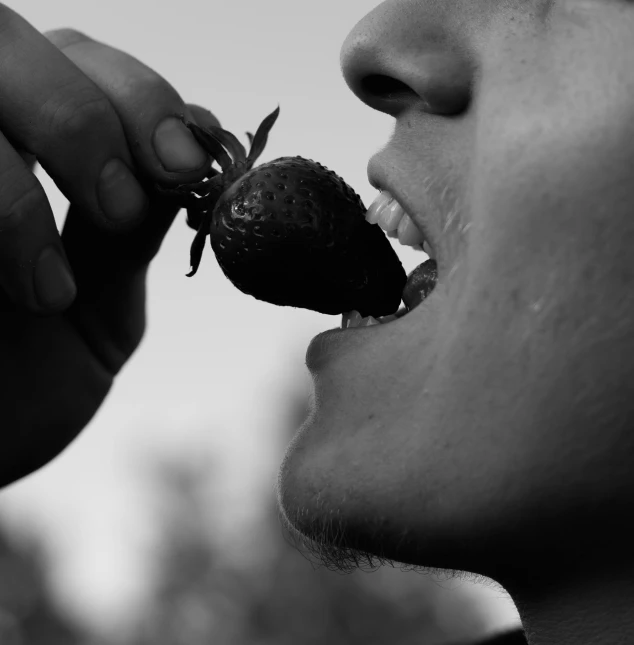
492	427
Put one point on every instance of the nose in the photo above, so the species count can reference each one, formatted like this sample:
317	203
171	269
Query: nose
403	56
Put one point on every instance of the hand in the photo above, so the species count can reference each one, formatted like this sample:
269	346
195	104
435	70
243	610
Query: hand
73	105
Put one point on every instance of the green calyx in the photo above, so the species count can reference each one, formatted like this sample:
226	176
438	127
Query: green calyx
231	155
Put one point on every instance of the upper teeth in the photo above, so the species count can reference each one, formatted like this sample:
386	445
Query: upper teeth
392	218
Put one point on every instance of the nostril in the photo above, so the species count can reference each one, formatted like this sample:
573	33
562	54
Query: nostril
385	87
442	85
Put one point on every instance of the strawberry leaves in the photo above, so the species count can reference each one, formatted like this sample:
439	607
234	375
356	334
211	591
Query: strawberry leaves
261	137
214	140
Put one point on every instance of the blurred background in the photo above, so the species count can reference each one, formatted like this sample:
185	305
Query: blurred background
158	525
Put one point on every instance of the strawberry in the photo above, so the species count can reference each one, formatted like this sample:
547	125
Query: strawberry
290	232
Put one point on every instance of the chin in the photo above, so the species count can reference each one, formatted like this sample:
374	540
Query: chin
340	526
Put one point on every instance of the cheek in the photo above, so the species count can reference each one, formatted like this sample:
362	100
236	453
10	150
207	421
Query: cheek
555	226
548	290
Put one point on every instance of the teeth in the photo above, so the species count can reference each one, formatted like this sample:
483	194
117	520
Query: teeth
353	319
369	321
377	206
390	216
429	250
395	316
408	232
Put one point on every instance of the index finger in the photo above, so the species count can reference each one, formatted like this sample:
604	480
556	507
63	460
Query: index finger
145	102
52	110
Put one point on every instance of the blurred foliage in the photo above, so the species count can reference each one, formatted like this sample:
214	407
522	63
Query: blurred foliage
28	613
203	597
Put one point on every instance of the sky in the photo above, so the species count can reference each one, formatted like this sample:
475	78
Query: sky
216	367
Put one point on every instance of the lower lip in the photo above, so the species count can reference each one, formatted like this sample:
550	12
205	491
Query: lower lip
321	346
325	344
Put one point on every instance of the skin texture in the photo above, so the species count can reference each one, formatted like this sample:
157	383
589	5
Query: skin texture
84	104
489	434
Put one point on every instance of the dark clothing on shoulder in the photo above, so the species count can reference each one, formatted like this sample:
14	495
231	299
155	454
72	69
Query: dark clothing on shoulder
515	637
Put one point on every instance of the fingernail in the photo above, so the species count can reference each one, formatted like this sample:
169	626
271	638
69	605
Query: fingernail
53	281
120	195
177	148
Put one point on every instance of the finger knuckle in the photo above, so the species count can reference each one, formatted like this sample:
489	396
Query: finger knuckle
80	114
16	204
150	88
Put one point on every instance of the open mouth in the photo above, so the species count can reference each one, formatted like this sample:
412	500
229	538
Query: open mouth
420	283
387	213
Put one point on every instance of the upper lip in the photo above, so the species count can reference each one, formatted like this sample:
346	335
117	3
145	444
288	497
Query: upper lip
381	179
